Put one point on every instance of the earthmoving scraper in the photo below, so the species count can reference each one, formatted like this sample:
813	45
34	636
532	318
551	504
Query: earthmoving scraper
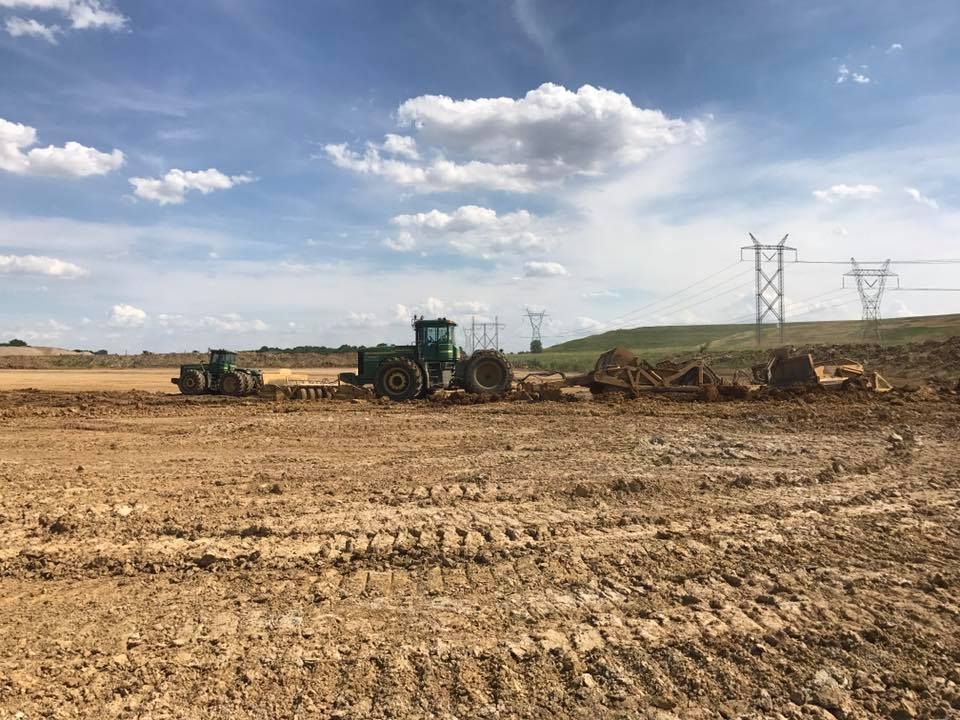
797	371
619	370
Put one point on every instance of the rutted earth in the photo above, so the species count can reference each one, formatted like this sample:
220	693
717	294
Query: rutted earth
163	556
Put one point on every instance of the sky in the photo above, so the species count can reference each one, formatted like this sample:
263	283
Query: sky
198	173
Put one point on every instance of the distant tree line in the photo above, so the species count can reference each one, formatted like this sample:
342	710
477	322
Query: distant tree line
14	343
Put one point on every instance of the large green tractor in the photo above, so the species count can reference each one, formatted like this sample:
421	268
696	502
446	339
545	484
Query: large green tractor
406	372
219	376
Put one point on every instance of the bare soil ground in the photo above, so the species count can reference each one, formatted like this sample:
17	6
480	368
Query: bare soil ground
146	379
164	556
26	359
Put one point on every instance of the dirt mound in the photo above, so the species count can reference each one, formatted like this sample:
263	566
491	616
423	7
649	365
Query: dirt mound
932	358
33	352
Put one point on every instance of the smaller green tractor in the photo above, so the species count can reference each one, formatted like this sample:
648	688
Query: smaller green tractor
219	376
433	362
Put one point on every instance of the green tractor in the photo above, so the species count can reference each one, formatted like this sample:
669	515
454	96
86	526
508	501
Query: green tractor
407	372
219	376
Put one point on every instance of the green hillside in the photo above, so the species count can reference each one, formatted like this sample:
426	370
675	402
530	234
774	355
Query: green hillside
684	340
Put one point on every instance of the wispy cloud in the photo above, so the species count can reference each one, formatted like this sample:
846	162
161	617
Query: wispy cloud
81	14
39	265
847	192
844	74
20	27
921	198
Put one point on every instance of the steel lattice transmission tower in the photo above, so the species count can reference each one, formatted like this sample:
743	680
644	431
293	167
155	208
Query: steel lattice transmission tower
871	284
536	322
484	335
769	293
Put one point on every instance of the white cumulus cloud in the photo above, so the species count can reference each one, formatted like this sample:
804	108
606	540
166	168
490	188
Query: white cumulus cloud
921	198
476	231
894	48
535	268
81	14
360	320
847	192
437	176
172	188
20	27
229	322
516	144
402	145
39	265
71	160
437	307
126	316
403	242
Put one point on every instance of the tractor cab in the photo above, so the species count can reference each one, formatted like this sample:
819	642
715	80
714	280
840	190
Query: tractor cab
436	340
222	360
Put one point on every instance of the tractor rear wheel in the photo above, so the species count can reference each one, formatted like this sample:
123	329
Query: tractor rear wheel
193	382
398	379
232	383
488	372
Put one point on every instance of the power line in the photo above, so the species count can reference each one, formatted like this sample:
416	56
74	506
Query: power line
817	296
677	306
879	262
910	289
674	294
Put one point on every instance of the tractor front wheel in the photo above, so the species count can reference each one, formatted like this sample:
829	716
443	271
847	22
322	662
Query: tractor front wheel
398	379
232	383
488	372
193	382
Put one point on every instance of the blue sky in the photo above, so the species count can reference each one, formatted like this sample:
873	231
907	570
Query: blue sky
182	174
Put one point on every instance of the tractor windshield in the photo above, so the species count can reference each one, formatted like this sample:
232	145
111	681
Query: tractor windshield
439	335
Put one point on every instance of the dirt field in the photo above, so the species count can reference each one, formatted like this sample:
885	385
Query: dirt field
163	556
146	379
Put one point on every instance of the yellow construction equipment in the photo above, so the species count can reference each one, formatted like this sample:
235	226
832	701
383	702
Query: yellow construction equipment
796	371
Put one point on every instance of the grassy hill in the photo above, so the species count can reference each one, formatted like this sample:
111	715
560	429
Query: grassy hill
686	340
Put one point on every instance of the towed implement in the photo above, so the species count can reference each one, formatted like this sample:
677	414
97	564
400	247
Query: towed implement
784	371
620	371
218	376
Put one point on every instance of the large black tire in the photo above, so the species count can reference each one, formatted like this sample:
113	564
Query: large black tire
193	382
398	379
232	383
488	372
